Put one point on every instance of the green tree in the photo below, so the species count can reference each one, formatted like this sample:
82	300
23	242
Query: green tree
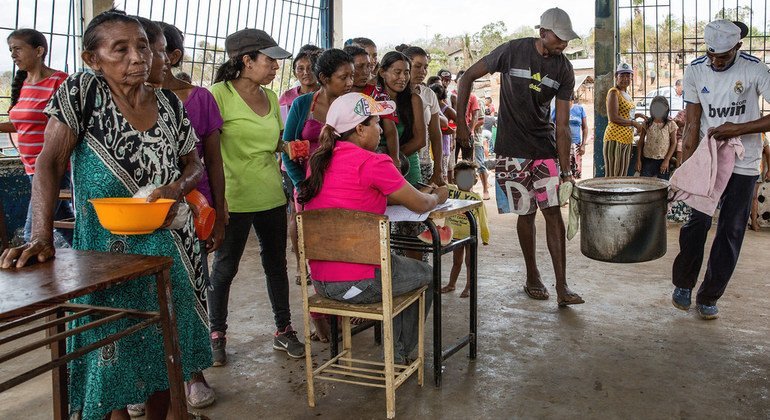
490	36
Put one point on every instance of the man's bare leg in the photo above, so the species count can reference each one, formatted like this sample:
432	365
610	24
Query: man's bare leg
557	246
525	228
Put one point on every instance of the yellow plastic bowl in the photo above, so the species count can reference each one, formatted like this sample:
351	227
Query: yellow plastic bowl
131	216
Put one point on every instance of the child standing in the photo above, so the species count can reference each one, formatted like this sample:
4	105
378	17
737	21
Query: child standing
466	178
658	142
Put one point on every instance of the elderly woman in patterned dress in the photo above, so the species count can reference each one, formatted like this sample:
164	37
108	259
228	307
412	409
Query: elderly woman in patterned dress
121	135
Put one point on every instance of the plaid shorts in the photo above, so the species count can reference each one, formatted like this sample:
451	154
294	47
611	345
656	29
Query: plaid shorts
523	185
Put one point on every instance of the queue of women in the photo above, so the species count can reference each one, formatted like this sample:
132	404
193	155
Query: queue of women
129	123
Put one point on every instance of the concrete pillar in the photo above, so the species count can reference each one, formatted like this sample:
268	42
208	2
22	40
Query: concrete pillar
604	71
92	8
331	24
337	39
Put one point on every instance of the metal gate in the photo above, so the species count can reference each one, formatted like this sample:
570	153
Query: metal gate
205	24
659	38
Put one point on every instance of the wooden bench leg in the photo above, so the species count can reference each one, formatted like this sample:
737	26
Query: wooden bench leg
171	346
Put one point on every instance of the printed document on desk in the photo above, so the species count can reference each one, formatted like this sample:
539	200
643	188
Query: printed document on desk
403	214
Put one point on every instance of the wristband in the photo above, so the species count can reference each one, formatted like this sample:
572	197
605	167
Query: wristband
566	174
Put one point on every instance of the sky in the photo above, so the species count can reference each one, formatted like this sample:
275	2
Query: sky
401	21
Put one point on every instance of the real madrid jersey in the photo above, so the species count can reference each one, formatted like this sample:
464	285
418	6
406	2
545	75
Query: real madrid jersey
730	95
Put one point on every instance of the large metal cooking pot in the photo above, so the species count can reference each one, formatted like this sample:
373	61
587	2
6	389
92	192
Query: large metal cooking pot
623	219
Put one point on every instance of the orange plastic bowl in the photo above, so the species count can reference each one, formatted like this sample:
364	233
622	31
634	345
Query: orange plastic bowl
131	216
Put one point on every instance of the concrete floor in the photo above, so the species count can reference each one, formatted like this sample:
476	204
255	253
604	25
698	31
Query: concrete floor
626	353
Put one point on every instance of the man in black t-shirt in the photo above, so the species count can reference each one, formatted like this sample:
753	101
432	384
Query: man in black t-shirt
529	151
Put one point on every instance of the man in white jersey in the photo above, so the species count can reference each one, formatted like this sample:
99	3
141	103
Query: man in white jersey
721	92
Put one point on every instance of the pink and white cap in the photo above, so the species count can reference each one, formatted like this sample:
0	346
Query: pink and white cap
351	109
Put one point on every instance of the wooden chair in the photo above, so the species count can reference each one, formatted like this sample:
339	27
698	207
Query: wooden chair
364	238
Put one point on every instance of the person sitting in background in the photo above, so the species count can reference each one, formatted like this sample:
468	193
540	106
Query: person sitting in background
466	178
657	143
346	173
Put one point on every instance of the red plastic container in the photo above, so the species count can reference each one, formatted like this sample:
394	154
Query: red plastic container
204	221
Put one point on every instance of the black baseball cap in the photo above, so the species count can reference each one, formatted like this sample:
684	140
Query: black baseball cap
444	74
251	40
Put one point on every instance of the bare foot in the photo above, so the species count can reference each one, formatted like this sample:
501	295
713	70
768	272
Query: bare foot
447	289
486	195
465	293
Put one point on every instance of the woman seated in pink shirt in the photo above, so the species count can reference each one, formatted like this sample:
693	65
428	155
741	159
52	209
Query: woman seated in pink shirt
346	173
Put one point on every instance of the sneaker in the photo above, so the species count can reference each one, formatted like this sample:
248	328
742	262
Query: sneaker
708	311
135	410
218	352
199	394
682	298
287	341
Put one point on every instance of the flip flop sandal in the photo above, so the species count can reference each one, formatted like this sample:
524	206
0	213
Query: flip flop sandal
573	299
537	293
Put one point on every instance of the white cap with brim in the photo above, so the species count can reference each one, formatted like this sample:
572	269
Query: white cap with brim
351	109
558	21
721	36
624	68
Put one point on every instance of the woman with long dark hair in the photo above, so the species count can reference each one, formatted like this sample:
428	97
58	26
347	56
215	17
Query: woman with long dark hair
254	194
394	78
430	155
32	87
307	116
346	173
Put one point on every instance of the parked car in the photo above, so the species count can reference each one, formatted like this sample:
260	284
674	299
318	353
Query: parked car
669	92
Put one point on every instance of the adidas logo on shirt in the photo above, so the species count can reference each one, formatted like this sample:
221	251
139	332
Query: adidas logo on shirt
704	90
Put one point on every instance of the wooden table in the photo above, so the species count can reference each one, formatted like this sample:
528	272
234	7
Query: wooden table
437	250
42	290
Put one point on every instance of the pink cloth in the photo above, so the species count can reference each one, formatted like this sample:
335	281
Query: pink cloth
702	178
356	179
